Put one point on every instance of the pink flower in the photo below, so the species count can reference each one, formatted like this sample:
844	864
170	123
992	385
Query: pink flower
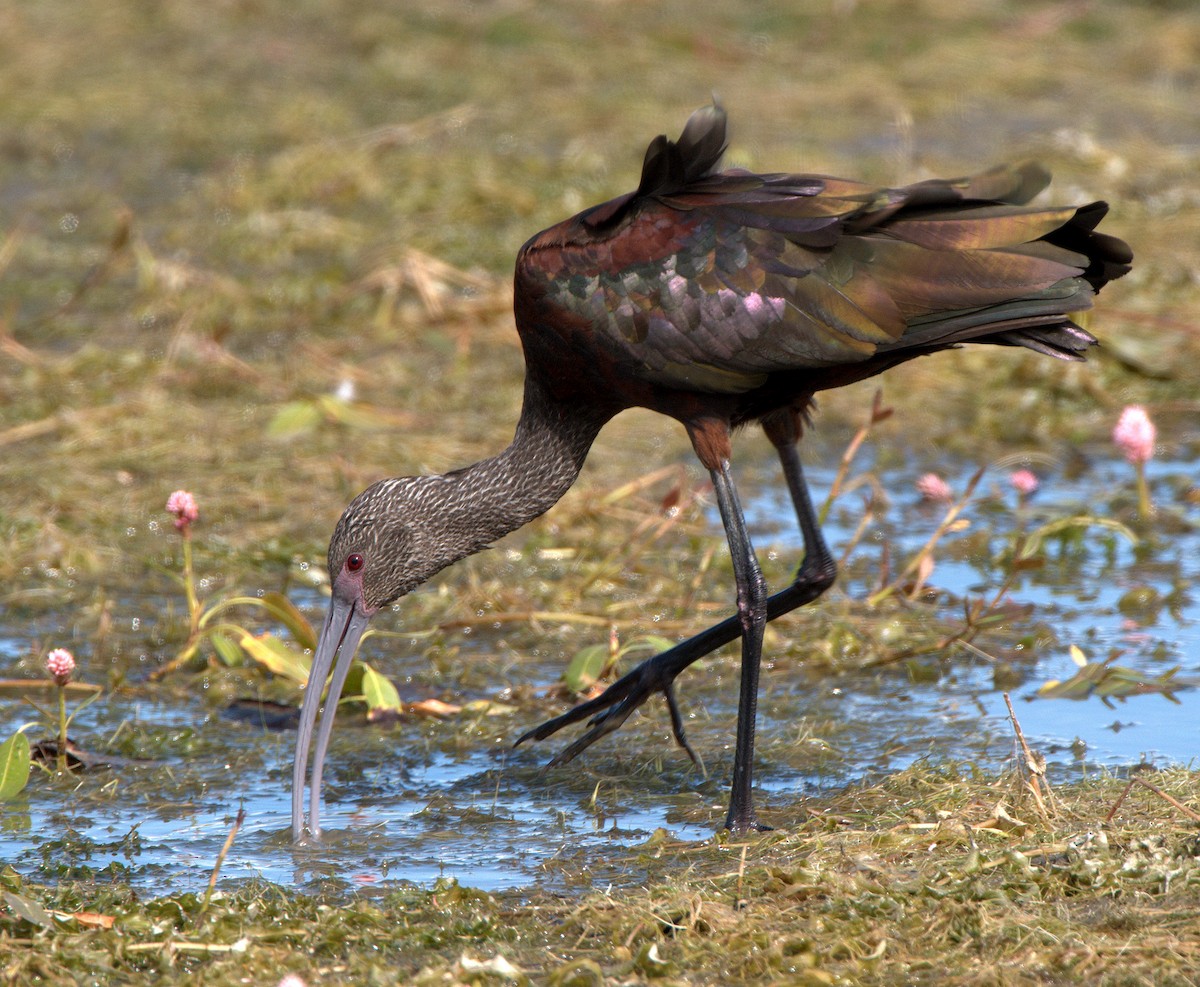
933	487
183	505
60	663
1024	481
1134	434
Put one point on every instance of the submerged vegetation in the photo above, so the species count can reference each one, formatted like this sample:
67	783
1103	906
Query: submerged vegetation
931	877
260	252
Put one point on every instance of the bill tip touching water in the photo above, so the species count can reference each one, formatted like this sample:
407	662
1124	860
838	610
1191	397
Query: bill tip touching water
719	299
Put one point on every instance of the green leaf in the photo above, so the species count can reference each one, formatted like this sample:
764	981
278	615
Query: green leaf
30	911
378	691
14	765
353	689
648	642
1033	541
291	618
229	653
486	707
354	415
277	657
1079	686
585	669
293	419
1107	681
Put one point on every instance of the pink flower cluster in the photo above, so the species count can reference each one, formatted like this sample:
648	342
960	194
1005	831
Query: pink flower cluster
1135	434
933	487
1024	481
183	505
60	663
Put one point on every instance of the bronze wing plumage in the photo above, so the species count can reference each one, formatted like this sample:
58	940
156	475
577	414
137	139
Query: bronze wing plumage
710	281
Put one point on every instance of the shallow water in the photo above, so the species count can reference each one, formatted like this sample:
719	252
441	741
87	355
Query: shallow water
1082	603
428	800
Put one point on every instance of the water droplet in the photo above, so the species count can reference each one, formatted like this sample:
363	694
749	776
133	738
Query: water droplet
135	623
69	223
304	567
131	531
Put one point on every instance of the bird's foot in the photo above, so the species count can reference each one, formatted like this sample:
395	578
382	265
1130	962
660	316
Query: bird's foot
612	708
740	827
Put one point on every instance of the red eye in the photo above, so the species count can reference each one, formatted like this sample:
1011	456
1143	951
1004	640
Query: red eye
354	562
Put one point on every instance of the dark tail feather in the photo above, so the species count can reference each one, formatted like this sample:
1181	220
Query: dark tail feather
1052	334
1065	341
1108	257
670	165
1037	318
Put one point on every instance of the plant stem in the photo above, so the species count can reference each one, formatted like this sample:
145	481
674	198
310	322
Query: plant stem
878	413
212	881
189	584
1143	490
914	564
62	729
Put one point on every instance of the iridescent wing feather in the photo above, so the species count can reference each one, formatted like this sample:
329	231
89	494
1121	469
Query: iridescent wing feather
710	281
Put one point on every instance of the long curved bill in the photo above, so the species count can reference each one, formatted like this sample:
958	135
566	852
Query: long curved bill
344	628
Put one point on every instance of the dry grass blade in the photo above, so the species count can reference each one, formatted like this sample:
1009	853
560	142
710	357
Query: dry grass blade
438	285
216	872
1032	770
1139	780
877	414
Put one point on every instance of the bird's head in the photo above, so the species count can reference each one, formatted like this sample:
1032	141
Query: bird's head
370	557
383	547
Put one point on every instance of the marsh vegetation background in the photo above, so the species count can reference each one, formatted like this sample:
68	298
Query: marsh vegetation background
261	251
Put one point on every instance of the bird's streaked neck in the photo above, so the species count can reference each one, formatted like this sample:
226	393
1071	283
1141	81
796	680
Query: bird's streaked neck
473	506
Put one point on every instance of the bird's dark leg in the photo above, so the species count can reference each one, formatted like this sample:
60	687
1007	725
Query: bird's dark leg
657	674
818	569
752	615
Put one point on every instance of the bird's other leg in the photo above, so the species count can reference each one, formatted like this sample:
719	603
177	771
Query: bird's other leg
657	674
752	615
818	569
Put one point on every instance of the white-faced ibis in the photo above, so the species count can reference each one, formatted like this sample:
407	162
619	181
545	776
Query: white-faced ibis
718	298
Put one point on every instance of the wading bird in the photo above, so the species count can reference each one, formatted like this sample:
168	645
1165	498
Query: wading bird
718	298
